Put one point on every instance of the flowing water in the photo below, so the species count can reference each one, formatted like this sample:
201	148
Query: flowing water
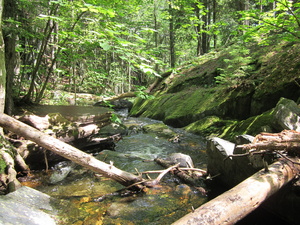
87	198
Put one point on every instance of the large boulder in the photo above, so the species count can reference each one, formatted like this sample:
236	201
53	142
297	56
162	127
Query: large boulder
228	169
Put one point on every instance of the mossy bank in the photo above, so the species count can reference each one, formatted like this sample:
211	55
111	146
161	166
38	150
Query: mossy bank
191	97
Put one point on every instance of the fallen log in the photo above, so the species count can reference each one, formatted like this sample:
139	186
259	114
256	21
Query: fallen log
235	204
123	95
67	151
286	140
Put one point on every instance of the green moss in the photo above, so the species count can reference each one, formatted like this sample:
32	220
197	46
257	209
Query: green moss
252	126
181	108
189	95
210	126
62	126
2	165
160	129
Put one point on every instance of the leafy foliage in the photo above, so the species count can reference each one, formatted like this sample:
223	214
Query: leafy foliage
109	47
274	20
237	66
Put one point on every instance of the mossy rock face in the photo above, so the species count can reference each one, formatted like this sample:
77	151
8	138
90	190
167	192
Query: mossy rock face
278	76
252	126
210	126
185	107
189	97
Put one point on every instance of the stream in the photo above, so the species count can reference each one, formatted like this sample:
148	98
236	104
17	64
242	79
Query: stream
83	197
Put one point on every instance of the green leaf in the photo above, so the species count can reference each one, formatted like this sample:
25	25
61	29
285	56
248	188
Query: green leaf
105	46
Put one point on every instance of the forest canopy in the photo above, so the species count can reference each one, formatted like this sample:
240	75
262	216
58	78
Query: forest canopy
107	47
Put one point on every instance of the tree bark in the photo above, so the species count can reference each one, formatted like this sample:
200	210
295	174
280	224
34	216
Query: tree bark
239	201
67	151
2	64
171	36
124	95
9	36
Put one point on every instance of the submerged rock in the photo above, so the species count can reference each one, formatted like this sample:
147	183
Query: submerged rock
26	206
61	171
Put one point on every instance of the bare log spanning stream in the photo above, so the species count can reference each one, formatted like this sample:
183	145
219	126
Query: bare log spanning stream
239	201
68	151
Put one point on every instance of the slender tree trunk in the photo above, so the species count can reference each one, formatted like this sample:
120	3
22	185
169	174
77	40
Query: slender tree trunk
53	62
246	8
155	32
10	9
214	11
171	36
47	34
204	28
2	64
198	31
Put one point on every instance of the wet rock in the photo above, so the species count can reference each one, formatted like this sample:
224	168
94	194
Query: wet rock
229	169
160	130
61	171
221	166
26	206
184	160
183	189
287	114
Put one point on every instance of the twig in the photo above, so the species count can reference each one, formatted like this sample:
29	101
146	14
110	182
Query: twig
181	168
160	176
287	158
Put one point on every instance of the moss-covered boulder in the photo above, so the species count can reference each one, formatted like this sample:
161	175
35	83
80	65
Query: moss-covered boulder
285	115
160	130
190	97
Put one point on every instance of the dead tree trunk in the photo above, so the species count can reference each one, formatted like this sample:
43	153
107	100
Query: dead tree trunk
124	95
239	201
67	151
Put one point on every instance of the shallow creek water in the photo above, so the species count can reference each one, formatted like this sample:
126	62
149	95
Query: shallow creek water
80	193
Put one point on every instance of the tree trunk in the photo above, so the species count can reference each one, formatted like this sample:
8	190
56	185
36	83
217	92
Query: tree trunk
2	64
198	30
67	151
8	173
10	9
171	36
239	201
47	36
205	20
123	95
214	11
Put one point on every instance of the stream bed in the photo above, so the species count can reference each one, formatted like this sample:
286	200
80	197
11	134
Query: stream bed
84	197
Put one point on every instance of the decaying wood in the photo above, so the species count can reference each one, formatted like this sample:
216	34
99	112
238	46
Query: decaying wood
120	96
192	178
239	201
287	140
67	151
